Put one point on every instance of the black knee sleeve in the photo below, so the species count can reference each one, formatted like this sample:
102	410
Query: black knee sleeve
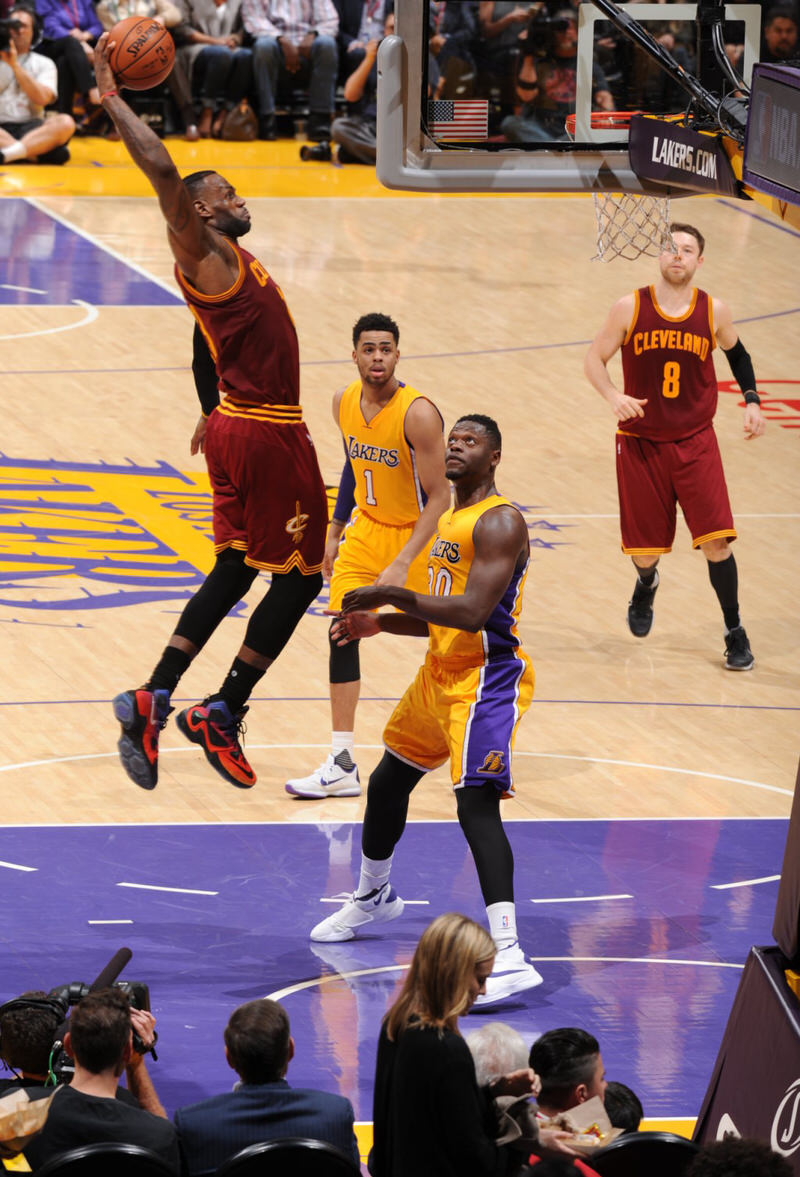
390	787
275	618
479	816
227	582
344	663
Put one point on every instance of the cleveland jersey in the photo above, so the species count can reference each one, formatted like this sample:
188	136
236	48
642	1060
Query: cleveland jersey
387	487
449	565
667	362
251	337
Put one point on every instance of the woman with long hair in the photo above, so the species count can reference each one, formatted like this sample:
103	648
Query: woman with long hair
430	1117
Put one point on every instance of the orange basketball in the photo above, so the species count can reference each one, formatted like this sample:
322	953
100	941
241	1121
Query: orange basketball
143	52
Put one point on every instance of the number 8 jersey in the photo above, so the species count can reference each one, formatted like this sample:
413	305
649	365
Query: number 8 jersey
667	362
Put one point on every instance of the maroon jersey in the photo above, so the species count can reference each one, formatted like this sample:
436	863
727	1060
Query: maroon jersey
667	362
250	334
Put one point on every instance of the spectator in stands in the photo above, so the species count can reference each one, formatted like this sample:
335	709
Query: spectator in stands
734	1157
211	51
360	21
623	1107
100	1041
28	1027
28	83
497	50
356	132
164	12
69	32
430	1117
779	41
547	84
496	1049
453	33
263	1106
294	40
570	1067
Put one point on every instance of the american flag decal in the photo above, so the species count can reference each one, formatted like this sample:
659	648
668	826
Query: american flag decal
463	118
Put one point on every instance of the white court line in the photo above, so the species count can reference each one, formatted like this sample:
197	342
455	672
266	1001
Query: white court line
48	212
23	289
89	317
16	866
581	898
177	890
109	921
744	883
712	776
279	994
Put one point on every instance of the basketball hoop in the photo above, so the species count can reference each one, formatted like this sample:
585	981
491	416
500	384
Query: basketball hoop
628	224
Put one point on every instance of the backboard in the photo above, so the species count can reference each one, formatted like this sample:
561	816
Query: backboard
415	153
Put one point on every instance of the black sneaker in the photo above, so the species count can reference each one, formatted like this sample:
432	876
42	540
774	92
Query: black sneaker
738	655
640	608
318	127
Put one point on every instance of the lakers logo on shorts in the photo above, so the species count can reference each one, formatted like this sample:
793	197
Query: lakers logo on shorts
297	525
494	763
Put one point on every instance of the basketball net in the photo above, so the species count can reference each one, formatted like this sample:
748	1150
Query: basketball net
629	225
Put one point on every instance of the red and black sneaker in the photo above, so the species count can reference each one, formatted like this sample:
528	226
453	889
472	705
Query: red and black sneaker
142	714
217	731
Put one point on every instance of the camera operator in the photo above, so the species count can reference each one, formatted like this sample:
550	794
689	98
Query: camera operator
356	132
547	80
28	1027
100	1040
28	83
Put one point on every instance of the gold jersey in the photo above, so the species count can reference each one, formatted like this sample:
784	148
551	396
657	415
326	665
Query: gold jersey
449	563
387	488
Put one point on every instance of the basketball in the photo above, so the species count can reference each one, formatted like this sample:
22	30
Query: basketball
143	52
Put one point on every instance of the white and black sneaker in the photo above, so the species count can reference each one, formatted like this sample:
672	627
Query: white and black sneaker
378	907
738	655
337	777
511	974
640	607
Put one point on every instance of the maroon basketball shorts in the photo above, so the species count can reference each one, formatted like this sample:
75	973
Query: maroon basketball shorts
269	497
653	476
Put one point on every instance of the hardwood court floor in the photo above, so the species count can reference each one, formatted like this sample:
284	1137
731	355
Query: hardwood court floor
105	533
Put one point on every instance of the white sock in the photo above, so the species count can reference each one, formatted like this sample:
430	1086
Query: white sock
374	874
342	742
14	151
502	924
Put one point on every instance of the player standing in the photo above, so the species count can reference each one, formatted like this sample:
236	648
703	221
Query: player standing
667	450
394	474
465	703
269	502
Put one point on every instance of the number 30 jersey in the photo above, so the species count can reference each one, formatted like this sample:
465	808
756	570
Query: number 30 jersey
449	563
387	488
667	362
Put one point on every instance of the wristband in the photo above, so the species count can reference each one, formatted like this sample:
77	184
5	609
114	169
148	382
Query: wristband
752	398
108	94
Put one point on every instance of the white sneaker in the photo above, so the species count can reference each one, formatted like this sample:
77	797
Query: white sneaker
344	923
331	779
511	974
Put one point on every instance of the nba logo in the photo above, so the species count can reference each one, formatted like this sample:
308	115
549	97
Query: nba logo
505	921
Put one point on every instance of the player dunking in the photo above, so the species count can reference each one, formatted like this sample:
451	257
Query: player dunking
463	706
270	509
667	450
394	462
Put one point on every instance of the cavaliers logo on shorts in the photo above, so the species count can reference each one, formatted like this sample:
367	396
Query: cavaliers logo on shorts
296	525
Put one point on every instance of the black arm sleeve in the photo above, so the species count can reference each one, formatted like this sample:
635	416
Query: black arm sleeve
742	366
204	372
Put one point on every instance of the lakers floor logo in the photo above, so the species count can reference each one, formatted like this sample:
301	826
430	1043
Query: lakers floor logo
297	525
494	763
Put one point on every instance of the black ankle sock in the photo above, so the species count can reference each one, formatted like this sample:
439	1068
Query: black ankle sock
167	674
724	578
647	575
239	683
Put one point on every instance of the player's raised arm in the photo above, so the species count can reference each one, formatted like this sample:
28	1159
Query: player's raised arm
606	343
189	237
741	365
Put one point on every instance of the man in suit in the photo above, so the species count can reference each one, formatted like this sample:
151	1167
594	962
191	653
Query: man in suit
262	1106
